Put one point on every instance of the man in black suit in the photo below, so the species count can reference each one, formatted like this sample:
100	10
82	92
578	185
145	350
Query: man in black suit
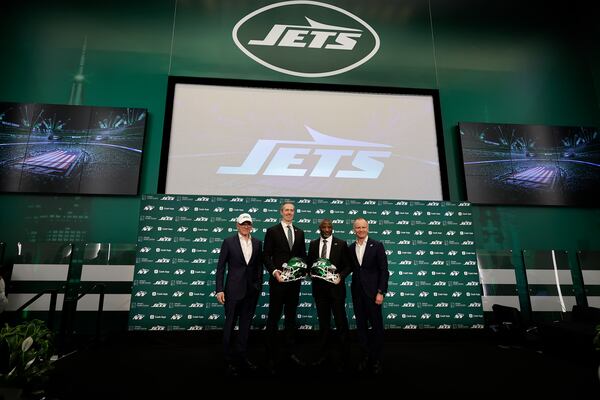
369	284
282	242
243	256
330	294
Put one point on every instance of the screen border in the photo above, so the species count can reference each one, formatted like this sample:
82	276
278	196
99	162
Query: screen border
173	81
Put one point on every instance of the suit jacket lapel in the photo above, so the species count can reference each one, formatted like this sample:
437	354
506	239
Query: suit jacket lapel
238	246
335	248
352	249
368	246
254	250
282	233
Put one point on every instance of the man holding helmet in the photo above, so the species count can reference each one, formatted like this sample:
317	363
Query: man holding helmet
329	260
283	242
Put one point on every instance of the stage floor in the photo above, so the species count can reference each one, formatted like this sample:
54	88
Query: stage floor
163	365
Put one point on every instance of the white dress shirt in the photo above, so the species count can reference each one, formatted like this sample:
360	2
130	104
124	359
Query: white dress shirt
360	250
246	247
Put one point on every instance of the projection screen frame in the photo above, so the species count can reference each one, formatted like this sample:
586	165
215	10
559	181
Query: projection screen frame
173	81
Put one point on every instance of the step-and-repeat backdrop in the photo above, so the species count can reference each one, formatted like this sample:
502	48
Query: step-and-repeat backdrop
430	246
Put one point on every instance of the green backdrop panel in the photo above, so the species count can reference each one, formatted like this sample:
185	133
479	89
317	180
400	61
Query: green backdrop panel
430	246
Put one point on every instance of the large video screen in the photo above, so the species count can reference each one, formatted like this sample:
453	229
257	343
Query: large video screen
531	164
226	137
46	148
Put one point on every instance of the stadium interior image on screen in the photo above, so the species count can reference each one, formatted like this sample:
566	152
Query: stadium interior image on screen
227	137
47	148
531	164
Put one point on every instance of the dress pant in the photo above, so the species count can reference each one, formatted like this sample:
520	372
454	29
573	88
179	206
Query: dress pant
242	310
368	313
283	298
330	302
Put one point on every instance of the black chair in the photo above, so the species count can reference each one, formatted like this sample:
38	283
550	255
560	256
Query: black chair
510	328
573	337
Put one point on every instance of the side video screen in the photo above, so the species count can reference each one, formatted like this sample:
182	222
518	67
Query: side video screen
531	164
47	148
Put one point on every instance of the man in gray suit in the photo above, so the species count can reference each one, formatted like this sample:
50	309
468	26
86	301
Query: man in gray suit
242	254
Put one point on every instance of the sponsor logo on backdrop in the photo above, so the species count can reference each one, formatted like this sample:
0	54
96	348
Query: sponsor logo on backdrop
158	328
300	35
161	271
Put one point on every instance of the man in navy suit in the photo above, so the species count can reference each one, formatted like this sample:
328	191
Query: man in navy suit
282	242
369	284
243	256
330	296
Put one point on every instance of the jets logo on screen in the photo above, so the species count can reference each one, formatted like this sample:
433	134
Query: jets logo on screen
285	158
306	38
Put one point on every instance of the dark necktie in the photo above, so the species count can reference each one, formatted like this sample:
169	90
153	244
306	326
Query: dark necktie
290	237
324	249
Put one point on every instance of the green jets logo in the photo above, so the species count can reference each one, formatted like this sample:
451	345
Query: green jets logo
306	38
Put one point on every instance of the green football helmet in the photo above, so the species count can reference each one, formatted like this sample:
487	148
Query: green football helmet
295	269
325	270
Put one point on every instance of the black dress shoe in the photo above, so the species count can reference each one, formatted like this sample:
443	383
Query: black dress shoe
271	368
232	371
320	361
296	361
377	368
363	365
247	365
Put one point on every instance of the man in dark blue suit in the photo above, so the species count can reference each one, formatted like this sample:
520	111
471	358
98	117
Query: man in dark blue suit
282	242
243	256
369	284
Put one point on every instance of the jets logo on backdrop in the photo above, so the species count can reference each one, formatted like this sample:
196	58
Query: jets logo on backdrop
306	38
274	158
